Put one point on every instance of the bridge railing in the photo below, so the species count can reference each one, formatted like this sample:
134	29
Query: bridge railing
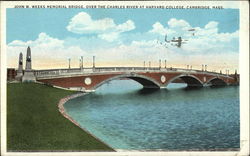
57	72
104	69
73	71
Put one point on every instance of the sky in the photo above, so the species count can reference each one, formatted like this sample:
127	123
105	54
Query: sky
124	37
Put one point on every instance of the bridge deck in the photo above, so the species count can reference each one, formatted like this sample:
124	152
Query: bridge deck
51	73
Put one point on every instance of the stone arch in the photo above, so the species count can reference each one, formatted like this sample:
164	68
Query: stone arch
216	82
145	81
190	80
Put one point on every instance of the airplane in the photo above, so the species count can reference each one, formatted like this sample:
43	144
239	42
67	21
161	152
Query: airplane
179	41
166	40
192	29
162	43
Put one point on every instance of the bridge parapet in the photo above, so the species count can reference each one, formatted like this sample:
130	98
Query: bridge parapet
79	71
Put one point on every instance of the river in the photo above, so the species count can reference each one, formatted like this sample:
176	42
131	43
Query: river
128	117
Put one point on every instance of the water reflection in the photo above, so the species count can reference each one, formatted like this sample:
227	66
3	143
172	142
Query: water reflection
126	116
146	91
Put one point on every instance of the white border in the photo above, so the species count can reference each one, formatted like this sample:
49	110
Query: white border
244	76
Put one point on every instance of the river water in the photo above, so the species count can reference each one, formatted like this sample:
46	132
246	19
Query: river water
127	117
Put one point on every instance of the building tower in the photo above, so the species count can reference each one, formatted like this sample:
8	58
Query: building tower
20	68
28	73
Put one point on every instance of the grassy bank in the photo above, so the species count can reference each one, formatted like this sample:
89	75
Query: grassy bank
35	124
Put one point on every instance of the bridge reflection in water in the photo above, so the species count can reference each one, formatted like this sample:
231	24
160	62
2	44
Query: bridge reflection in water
175	118
89	79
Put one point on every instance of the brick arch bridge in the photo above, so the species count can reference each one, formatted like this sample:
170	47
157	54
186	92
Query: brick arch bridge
89	79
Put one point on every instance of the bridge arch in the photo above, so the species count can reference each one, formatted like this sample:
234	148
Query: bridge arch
145	81
190	80
216	82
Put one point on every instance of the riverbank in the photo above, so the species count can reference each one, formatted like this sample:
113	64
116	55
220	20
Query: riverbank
35	124
64	113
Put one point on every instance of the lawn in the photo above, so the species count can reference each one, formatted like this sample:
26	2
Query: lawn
35	124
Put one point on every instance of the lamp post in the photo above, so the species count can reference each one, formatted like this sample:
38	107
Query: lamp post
93	62
82	62
69	63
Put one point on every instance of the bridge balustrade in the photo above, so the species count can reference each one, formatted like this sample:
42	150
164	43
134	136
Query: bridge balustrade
77	71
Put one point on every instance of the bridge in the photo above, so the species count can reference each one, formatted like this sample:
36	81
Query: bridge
89	79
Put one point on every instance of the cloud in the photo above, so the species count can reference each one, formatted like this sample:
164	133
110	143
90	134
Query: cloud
208	46
158	28
43	41
46	50
180	27
174	26
202	40
127	26
109	36
106	28
82	23
211	25
174	23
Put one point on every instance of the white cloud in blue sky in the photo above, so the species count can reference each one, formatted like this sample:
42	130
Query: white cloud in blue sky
106	28
117	44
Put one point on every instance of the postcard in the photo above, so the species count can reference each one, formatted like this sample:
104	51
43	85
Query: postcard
125	78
